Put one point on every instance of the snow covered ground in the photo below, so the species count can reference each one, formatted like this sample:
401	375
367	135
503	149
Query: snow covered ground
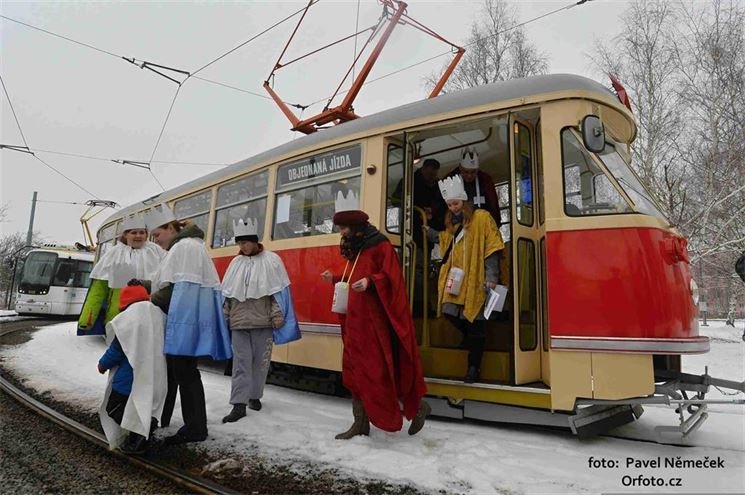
460	457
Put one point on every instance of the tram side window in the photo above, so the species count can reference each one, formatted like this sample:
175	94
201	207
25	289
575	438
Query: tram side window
195	208
105	239
306	191
587	190
394	197
523	175
242	199
310	211
503	193
527	294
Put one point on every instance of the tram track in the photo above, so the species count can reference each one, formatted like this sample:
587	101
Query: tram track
189	482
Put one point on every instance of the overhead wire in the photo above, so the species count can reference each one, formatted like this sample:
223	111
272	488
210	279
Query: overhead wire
313	2
106	159
23	137
188	75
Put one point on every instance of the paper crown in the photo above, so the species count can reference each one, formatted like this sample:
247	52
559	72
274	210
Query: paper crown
158	216
452	188
248	227
350	202
135	221
469	159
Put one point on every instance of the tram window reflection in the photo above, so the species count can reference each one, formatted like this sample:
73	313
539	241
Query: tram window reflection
309	211
225	218
587	189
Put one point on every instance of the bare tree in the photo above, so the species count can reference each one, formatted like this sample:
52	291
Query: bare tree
497	50
643	56
684	67
711	53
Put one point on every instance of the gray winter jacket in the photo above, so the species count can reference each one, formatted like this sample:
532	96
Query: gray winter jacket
251	313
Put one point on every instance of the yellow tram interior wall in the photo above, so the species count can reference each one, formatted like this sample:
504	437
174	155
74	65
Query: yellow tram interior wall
600	376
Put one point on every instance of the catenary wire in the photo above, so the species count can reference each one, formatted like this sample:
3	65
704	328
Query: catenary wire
313	2
105	159
23	137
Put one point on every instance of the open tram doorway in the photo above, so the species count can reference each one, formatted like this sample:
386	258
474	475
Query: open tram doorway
512	353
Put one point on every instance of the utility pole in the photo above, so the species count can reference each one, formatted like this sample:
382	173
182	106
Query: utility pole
30	234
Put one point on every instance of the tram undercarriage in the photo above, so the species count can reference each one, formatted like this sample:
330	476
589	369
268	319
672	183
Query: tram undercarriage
593	417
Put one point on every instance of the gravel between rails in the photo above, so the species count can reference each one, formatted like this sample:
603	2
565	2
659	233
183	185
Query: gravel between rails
248	471
38	457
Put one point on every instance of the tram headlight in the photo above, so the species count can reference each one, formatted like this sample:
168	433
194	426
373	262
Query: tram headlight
694	291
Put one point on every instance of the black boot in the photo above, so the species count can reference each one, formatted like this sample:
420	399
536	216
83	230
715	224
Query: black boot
472	375
238	412
361	425
418	421
134	445
254	405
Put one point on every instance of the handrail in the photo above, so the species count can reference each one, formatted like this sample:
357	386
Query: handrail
425	281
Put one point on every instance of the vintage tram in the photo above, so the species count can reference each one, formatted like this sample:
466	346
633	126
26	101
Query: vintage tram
601	301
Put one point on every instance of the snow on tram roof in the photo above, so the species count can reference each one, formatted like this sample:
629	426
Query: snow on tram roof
471	97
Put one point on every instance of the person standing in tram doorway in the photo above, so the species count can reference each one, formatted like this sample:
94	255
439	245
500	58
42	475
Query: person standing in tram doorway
478	185
380	362
472	246
133	257
187	288
258	303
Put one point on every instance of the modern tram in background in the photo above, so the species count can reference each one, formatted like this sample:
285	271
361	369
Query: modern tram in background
601	301
53	280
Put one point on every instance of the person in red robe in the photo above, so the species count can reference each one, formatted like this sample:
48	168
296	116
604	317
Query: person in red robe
380	363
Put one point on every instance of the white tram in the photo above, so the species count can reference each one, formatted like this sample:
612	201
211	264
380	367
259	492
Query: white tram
53	281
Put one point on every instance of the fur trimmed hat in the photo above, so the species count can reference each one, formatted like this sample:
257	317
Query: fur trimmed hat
132	294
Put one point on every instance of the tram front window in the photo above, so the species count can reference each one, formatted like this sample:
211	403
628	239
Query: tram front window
38	270
643	202
587	189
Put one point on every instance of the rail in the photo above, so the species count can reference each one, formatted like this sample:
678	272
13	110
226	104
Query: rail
190	483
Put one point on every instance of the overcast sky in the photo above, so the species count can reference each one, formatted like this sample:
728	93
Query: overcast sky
73	99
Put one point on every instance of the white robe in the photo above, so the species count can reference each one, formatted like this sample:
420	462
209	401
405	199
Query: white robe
122	263
251	277
186	261
140	330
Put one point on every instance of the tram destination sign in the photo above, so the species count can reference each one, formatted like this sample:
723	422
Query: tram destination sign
344	159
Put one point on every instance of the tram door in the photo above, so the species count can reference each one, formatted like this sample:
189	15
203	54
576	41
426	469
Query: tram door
526	236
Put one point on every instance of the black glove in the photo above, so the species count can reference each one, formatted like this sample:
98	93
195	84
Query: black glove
135	282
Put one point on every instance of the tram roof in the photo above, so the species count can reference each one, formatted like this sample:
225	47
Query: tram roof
471	97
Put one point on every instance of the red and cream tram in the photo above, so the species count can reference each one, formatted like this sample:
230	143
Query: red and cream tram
601	302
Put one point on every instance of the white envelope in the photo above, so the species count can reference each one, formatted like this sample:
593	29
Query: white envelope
495	300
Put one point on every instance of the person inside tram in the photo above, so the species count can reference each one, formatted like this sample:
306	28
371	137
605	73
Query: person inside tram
427	196
472	245
478	184
135	395
187	288
380	363
133	257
